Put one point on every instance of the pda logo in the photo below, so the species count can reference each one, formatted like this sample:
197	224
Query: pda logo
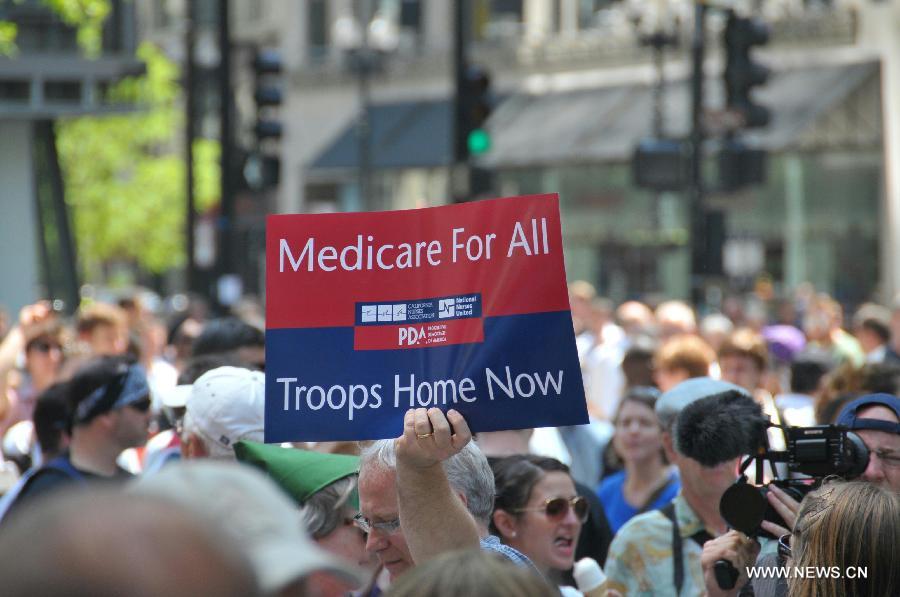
410	336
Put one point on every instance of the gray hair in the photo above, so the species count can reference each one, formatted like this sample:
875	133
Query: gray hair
468	472
328	508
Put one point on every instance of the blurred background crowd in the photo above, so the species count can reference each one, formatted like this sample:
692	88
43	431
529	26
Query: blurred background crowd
803	358
557	494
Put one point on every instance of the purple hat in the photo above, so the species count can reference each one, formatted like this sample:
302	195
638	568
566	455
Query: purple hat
784	341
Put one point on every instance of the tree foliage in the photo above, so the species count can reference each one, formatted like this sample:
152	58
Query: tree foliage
124	173
87	16
8	33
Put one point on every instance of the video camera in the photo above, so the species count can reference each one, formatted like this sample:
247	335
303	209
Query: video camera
815	452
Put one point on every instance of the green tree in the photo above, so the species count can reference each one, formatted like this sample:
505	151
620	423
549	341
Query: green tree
7	38
124	173
87	16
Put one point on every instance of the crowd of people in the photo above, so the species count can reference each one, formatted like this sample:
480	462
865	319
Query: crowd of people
133	461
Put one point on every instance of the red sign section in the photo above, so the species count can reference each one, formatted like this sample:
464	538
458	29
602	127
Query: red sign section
437	333
510	245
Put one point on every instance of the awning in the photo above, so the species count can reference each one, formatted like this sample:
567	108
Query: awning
597	125
412	134
603	124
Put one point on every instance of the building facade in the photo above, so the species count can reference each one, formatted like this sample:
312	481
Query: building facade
576	89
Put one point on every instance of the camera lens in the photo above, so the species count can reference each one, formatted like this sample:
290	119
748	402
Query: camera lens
855	458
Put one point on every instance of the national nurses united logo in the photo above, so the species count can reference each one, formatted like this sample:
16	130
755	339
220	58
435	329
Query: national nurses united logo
420	323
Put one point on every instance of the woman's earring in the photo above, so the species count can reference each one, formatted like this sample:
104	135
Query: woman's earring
513	534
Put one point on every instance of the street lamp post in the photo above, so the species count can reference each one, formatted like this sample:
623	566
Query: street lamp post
657	30
365	41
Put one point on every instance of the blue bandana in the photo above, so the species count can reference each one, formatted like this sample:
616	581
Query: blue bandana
129	387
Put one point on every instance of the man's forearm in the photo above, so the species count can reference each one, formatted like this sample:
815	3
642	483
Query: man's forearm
433	517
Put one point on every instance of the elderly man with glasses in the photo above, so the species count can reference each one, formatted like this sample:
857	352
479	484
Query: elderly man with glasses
427	492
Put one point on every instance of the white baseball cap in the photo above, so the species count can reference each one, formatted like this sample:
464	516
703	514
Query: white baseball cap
175	397
227	404
262	520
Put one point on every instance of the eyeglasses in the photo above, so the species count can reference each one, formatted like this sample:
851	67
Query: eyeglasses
389	527
556	508
784	545
889	459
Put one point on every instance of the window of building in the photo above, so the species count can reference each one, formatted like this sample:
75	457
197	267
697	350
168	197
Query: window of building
411	15
591	11
497	19
317	30
15	91
62	91
507	9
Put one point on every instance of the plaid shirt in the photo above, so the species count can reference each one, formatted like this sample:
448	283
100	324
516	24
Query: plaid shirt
492	543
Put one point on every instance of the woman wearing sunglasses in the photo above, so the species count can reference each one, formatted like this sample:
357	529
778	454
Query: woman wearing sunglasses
537	511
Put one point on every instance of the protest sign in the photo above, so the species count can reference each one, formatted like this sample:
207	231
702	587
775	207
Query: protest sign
459	306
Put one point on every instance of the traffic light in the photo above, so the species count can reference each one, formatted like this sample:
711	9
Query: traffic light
261	169
661	164
741	165
267	94
742	73
476	103
472	138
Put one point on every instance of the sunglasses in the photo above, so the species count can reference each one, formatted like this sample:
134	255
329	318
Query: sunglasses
784	545
45	346
558	507
142	405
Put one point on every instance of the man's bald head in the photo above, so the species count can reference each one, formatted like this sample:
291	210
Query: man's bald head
635	318
101	543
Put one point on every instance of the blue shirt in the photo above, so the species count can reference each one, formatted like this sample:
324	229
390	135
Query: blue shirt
618	511
492	543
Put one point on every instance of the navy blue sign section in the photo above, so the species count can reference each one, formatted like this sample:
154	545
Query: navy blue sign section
504	383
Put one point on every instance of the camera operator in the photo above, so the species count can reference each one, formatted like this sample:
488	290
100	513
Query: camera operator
659	552
841	529
876	419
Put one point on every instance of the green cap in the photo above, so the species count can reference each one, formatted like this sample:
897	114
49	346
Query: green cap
301	473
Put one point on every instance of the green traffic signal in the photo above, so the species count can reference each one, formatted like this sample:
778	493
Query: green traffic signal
479	142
